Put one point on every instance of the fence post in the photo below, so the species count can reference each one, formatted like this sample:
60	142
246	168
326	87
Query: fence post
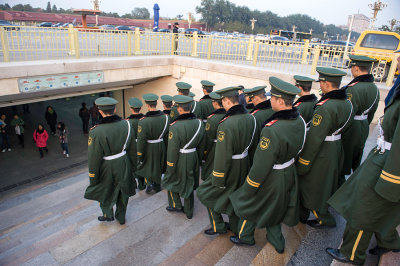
249	55
305	51
392	70
173	45
71	39
255	55
4	44
317	50
137	42
209	45
129	43
194	43
76	44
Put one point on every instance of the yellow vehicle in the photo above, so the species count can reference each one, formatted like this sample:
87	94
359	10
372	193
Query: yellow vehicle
379	45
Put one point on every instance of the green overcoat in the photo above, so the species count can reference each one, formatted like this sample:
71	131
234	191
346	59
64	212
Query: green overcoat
195	110
206	107
270	195
320	162
134	120
151	149
235	137
305	105
210	142
364	95
183	165
261	112
110	177
370	199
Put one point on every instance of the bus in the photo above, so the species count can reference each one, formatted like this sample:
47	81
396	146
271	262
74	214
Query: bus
300	36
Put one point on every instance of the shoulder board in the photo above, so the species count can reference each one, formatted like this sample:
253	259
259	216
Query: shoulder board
142	118
254	112
271	123
211	115
93	127
223	120
297	104
173	123
351	85
321	103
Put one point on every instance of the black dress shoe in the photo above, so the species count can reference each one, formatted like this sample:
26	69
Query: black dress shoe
335	253
149	189
171	209
236	240
105	219
228	226
189	216
121	223
379	251
317	225
211	232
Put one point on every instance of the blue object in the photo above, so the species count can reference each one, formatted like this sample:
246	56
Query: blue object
391	92
156	9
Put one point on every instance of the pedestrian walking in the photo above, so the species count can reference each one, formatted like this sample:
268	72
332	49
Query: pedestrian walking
307	100
18	124
94	114
51	119
4	130
62	133
111	144
84	114
40	137
205	103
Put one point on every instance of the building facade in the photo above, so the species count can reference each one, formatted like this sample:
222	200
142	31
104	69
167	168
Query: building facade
360	22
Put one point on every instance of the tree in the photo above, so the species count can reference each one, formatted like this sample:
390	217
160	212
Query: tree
54	9
140	13
179	17
48	8
385	28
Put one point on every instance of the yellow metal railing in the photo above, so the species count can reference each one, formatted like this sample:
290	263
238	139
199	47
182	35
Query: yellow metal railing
20	43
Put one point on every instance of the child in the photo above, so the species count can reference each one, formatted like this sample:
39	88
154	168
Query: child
62	134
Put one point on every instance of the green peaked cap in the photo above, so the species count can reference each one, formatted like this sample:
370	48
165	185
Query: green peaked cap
330	74
181	99
283	89
303	80
361	60
255	91
191	94
150	98
135	102
166	98
207	83
229	91
106	103
183	86
215	96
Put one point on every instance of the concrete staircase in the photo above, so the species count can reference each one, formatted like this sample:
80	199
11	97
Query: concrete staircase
53	225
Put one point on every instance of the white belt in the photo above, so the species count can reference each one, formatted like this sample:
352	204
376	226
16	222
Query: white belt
307	129
116	156
155	141
240	156
284	165
361	117
333	137
383	145
187	150
205	120
214	140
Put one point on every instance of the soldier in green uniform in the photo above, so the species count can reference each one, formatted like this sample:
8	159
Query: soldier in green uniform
167	104
211	135
270	194
305	104
183	164
151	149
111	146
370	199
136	105
205	103
320	162
364	95
249	105
236	134
184	89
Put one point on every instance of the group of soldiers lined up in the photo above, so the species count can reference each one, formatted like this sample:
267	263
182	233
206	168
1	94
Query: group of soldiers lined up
272	164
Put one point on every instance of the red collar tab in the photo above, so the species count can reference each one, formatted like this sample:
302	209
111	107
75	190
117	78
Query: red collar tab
255	111
271	123
211	115
351	85
297	104
321	103
223	119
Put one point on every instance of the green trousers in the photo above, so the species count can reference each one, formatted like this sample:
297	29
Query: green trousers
174	201
218	224
355	243
274	234
120	210
323	218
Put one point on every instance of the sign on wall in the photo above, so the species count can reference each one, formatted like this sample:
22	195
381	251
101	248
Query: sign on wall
41	83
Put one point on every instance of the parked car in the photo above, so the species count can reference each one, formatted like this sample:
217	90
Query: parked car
189	32
123	28
141	29
45	24
261	37
107	27
66	25
335	48
164	30
8	26
57	25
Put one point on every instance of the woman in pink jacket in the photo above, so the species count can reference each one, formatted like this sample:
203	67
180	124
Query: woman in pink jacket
40	136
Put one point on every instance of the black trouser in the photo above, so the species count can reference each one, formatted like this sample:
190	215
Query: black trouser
53	128
85	125
41	149
21	139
